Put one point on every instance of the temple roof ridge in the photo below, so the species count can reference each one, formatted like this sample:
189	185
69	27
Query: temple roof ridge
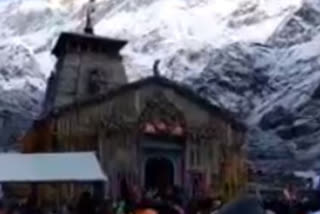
179	88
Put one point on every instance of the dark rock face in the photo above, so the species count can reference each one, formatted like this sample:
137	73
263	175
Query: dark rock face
277	117
300	28
297	131
230	79
316	93
12	127
275	89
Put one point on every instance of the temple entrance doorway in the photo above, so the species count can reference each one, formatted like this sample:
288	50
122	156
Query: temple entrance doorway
159	173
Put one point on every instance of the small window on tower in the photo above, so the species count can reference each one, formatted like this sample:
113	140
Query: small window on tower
93	84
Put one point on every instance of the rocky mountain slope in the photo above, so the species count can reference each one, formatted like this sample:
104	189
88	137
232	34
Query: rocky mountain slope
257	58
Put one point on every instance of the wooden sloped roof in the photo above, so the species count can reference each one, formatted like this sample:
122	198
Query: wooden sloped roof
180	89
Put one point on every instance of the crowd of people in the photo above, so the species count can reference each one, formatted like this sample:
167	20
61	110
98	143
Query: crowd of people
293	202
172	200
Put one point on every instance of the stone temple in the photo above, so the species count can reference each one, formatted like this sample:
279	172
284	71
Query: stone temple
152	133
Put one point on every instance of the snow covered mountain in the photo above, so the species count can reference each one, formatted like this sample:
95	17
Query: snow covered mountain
257	58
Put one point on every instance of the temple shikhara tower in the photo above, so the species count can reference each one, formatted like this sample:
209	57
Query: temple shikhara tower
151	133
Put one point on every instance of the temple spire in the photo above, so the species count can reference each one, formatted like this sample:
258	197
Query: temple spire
89	25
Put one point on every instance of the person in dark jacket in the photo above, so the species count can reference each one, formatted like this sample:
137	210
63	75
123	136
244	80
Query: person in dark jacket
30	207
245	205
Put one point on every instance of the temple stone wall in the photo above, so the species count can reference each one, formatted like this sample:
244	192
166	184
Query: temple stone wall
74	70
116	123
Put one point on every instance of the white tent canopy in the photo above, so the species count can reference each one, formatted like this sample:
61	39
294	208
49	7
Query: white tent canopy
50	167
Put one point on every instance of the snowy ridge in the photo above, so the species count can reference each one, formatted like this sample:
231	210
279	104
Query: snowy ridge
181	24
25	75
